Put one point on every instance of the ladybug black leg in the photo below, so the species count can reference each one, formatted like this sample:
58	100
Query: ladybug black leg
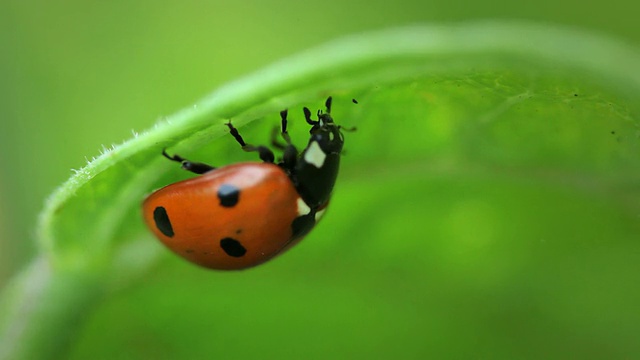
275	142
327	104
194	167
283	132
307	116
290	155
283	126
264	152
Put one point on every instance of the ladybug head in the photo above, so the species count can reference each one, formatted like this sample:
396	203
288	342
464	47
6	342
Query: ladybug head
316	170
324	121
324	131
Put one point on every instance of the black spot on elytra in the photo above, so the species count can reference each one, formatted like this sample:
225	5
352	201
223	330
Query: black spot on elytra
228	195
162	221
232	247
303	224
354	101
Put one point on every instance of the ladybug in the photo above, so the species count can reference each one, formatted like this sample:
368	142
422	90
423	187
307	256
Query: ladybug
241	215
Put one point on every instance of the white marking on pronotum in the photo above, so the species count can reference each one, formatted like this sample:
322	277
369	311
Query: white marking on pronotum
303	208
319	214
314	155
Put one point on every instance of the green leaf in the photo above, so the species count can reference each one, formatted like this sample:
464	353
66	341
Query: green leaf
501	158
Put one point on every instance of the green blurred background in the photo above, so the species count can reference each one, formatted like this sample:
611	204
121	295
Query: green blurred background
77	75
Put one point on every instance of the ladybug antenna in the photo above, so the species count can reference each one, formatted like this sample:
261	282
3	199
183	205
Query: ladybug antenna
347	129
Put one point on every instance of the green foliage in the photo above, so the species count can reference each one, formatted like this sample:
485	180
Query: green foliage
489	197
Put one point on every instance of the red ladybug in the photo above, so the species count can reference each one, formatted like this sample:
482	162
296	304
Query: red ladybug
242	215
